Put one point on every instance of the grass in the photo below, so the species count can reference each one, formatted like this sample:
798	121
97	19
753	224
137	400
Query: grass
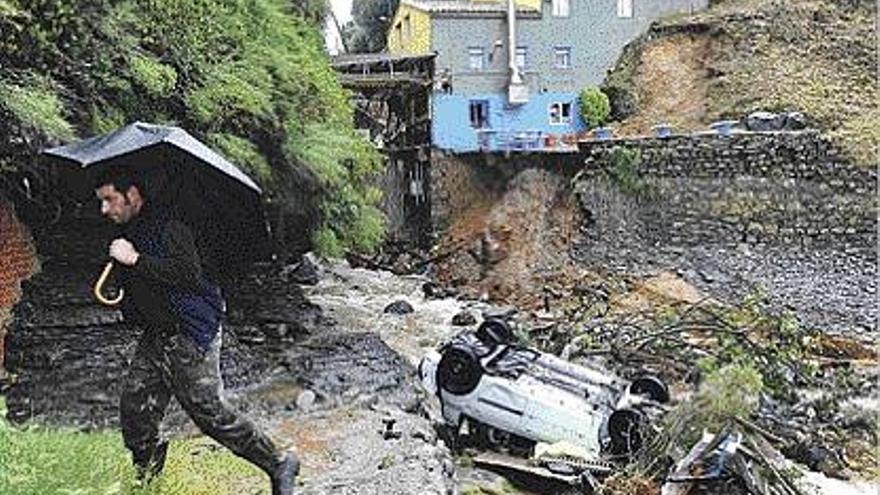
36	105
38	460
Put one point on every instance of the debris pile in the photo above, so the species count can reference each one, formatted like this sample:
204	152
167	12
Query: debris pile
759	402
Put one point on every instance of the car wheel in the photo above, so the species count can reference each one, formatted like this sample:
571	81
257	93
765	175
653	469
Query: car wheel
625	430
651	386
494	331
458	371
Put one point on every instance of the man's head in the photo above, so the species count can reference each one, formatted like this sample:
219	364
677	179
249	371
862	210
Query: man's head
121	196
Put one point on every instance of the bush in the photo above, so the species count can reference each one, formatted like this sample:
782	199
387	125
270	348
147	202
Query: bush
624	170
731	392
622	101
37	106
595	107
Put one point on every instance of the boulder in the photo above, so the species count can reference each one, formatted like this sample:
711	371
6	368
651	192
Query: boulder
764	121
399	307
306	272
463	319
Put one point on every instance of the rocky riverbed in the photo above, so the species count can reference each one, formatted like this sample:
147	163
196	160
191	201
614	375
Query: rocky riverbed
829	290
342	388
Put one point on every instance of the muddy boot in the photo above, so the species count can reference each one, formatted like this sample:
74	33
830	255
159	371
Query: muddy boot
284	477
150	465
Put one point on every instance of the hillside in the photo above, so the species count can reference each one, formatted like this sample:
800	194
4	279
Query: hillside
817	57
251	79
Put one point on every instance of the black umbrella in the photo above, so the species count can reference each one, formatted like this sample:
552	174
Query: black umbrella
219	202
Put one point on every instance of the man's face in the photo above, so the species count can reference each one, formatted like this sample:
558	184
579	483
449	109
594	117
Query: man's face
118	207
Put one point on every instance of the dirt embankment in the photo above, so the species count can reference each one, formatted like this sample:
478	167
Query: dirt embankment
514	248
817	57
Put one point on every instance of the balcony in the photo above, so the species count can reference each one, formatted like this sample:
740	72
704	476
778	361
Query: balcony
493	140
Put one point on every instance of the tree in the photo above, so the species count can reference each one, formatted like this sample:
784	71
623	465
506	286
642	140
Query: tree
370	22
595	107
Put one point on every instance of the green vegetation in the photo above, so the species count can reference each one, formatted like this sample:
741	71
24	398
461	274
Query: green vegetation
727	395
776	346
46	461
35	105
370	21
249	77
624	171
595	107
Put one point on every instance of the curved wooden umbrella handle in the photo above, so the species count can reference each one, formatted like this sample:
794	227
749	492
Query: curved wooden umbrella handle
99	287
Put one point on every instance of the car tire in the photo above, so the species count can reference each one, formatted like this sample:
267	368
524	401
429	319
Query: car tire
651	386
494	331
625	431
459	371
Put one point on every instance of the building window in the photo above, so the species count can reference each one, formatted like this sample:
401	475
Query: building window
398	32
407	27
479	110
624	8
560	8
562	57
560	113
522	57
475	58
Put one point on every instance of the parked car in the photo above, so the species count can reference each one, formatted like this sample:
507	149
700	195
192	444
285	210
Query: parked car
516	394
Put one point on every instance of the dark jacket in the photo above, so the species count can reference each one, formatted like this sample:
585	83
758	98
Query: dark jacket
166	290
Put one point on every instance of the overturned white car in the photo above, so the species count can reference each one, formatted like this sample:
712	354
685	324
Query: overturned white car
517	395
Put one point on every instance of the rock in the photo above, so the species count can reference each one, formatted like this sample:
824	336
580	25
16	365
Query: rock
306	272
431	290
399	307
795	121
97	398
305	400
463	319
501	312
389	433
765	121
276	330
820	458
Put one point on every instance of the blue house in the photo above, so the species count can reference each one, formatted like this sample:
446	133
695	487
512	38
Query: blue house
508	72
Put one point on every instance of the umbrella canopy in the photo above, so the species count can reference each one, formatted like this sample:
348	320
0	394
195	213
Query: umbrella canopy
137	138
219	202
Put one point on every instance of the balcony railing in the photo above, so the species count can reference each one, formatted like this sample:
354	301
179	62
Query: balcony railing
526	140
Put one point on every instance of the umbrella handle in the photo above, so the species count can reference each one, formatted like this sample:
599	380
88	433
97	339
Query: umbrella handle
99	287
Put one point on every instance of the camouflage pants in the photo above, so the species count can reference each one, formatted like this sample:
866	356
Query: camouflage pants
172	365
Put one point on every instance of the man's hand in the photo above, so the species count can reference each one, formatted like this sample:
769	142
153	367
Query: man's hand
123	251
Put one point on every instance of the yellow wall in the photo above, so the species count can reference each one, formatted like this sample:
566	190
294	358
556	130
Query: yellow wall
419	39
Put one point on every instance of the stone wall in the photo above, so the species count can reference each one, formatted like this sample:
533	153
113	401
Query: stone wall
789	188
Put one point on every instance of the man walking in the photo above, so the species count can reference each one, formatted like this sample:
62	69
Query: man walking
180	313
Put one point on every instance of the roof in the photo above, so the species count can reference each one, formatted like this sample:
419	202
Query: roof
374	70
347	59
462	6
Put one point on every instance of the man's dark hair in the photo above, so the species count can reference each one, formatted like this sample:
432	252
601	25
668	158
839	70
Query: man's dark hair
120	179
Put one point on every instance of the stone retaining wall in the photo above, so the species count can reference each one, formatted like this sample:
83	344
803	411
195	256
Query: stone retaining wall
787	188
